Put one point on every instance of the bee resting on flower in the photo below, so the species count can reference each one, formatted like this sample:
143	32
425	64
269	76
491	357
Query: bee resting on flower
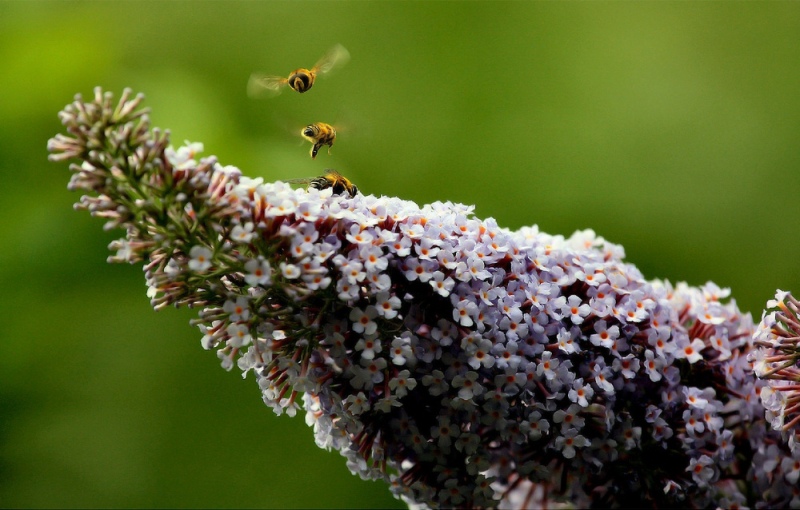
465	364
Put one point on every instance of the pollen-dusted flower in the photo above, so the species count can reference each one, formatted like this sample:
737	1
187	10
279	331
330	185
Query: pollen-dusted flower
465	364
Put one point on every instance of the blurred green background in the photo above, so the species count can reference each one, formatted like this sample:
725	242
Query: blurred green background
670	128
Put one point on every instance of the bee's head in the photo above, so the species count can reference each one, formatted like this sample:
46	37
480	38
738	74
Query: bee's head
308	131
353	190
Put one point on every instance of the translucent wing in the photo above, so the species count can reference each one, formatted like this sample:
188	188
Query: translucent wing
351	124
262	85
336	57
305	181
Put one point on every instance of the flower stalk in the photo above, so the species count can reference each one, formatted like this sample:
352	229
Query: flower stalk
464	364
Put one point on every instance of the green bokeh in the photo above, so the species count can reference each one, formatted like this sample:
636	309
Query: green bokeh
669	128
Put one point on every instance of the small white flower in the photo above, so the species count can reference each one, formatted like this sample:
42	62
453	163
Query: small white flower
238	310
359	236
442	284
368	346
469	387
290	271
702	470
362	320
239	335
242	234
387	305
402	383
401	351
259	272
200	259
357	404
183	158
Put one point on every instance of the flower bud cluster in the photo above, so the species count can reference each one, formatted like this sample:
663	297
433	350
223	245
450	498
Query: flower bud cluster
463	363
776	361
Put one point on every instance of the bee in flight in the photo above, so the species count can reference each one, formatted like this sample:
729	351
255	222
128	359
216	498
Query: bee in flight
332	179
300	79
320	134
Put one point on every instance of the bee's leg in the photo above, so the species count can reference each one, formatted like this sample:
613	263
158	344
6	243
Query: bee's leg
315	150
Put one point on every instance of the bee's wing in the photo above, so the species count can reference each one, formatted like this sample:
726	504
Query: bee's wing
262	85
351	124
305	181
291	131
335	57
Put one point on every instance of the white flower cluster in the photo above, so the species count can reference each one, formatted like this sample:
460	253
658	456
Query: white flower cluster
465	364
479	350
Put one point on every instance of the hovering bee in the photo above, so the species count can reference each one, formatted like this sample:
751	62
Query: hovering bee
332	179
300	79
320	134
